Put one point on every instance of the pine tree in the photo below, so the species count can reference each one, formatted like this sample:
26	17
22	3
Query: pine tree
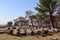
47	6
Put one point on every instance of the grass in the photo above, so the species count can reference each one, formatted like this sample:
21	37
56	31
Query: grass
3	28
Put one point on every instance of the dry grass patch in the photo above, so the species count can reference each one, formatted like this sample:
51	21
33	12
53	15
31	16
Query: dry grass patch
10	37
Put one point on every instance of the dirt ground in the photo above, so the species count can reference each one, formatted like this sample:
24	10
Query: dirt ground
10	37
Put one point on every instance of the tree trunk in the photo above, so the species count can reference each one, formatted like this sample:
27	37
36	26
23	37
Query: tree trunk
32	22
56	24
38	23
46	23
51	18
21	24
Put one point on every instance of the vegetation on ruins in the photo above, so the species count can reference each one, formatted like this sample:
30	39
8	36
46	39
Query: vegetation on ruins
10	23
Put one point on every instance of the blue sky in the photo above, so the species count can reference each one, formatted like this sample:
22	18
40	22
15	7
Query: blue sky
11	9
